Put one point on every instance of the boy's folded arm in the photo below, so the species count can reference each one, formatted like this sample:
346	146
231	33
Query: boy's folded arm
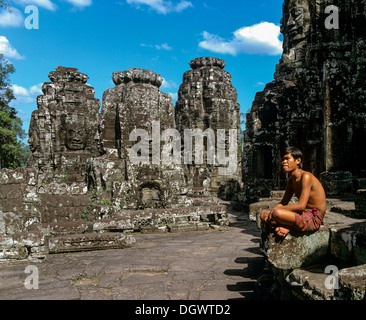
304	196
295	207
287	196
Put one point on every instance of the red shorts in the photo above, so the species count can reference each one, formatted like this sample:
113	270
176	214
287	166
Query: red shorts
309	220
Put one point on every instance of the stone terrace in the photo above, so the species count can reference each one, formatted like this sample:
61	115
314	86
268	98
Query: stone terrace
216	264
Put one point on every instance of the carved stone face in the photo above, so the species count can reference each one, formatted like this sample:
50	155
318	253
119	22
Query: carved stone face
75	138
150	198
296	22
33	139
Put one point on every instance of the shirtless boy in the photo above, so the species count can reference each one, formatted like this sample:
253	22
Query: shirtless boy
305	216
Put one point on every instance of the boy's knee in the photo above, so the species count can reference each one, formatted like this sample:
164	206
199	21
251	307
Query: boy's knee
276	213
264	215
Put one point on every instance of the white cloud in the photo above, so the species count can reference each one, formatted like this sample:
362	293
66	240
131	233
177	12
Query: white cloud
24	95
261	38
49	5
259	84
81	3
8	50
19	91
11	19
36	89
163	46
46	4
168	84
162	6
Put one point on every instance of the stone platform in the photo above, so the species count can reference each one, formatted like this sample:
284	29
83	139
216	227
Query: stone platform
300	266
216	264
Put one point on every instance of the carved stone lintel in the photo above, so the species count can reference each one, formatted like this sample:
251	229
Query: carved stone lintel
88	242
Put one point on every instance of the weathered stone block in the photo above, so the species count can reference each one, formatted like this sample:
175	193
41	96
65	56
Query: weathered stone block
64	227
117	224
348	243
352	283
29	239
189	227
12	205
277	194
309	284
154	229
295	251
10	250
257	207
13	253
337	183
360	202
90	241
18	176
11	223
11	191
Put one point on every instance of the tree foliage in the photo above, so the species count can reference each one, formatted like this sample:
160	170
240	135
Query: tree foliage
5	4
13	152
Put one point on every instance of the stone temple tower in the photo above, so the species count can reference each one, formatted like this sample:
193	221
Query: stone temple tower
135	103
207	100
62	129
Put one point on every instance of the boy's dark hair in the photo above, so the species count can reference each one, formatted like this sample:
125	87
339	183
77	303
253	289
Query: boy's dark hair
296	153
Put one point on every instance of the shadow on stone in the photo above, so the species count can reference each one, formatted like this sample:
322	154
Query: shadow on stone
253	270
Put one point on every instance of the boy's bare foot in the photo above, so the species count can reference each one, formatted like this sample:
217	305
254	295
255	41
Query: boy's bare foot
282	231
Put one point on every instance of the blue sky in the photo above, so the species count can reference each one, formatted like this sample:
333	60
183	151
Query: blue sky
99	37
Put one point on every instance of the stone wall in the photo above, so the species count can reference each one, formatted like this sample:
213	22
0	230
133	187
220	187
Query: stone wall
316	101
19	201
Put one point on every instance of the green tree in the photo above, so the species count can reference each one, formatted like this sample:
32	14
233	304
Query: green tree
5	4
13	152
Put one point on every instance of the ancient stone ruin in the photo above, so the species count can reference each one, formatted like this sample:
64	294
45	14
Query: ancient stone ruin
93	180
317	103
208	101
96	178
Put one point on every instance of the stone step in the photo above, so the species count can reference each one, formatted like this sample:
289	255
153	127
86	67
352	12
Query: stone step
156	219
61	227
295	251
348	238
342	237
263	204
89	242
352	283
323	282
340	242
197	226
310	284
277	193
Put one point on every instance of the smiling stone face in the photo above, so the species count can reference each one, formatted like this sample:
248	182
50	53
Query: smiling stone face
76	138
295	24
33	140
